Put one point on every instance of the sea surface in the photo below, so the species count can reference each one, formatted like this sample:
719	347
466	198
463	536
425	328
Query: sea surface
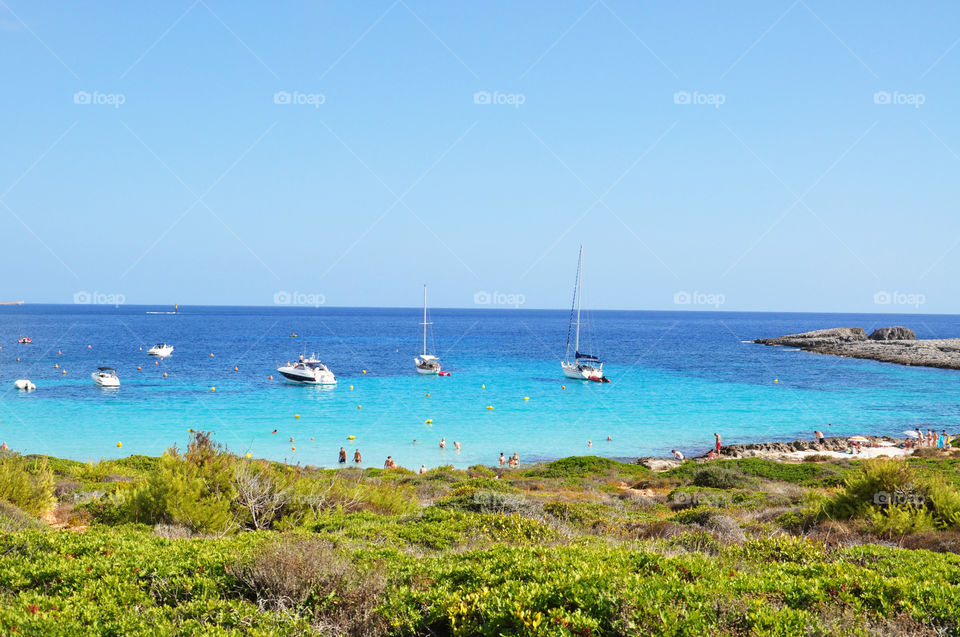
676	378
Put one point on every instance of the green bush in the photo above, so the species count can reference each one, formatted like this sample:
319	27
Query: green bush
27	483
581	466
720	477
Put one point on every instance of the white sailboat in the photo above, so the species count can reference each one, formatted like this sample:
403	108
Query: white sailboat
426	363
583	366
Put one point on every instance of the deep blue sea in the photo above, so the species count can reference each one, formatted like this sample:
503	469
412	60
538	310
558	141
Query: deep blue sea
677	377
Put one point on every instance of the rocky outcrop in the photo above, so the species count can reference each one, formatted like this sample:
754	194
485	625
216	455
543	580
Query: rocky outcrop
893	334
888	344
771	449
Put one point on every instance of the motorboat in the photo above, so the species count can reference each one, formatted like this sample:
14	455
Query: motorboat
582	366
308	371
160	349
24	384
106	377
426	363
24	340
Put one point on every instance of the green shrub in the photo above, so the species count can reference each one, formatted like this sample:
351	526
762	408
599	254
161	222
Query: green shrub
581	466
27	483
720	477
13	519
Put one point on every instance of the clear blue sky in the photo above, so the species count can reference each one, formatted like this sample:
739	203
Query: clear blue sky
798	192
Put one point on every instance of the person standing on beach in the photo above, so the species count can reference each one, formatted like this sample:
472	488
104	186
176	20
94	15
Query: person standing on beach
457	446
502	459
717	436
443	443
343	456
423	469
357	457
919	437
819	435
677	455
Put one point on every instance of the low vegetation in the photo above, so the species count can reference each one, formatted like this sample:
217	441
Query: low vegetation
202	541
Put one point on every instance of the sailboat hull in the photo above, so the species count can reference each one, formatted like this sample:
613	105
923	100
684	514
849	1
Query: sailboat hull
582	372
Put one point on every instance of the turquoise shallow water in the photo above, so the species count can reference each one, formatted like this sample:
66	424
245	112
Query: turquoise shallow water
676	378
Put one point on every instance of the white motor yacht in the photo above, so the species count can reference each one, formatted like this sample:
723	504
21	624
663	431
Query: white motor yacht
309	371
106	377
160	349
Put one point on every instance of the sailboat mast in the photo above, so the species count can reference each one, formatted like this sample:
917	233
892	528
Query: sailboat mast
576	345
424	318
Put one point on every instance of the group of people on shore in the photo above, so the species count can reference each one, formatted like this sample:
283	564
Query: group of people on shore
930	439
713	454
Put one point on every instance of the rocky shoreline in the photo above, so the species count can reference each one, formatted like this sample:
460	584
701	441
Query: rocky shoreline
889	345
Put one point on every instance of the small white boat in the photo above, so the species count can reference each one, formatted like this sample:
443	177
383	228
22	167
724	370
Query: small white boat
309	371
24	384
106	377
583	366
160	349
426	363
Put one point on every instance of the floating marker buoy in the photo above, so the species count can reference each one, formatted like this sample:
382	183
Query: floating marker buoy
429	421
141	349
18	359
55	365
489	406
427	395
351	437
270	377
119	444
359	406
364	371
483	386
211	354
563	386
236	369
293	448
351	387
526	398
311	437
63	371
164	374
248	454
138	368
296	415
156	362
89	346
59	353
213	389
776	380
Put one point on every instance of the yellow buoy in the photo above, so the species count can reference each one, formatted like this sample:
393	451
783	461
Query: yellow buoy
296	415
526	398
63	371
213	389
270	377
483	386
489	406
248	454
164	374
119	444
351	437
190	430
563	386
429	421
776	380
427	395
56	366
351	387
18	359
293	448
364	371
236	369
359	406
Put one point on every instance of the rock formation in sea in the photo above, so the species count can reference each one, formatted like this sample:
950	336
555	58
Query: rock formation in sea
887	344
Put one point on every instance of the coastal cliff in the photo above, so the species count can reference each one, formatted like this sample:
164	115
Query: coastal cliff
888	344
